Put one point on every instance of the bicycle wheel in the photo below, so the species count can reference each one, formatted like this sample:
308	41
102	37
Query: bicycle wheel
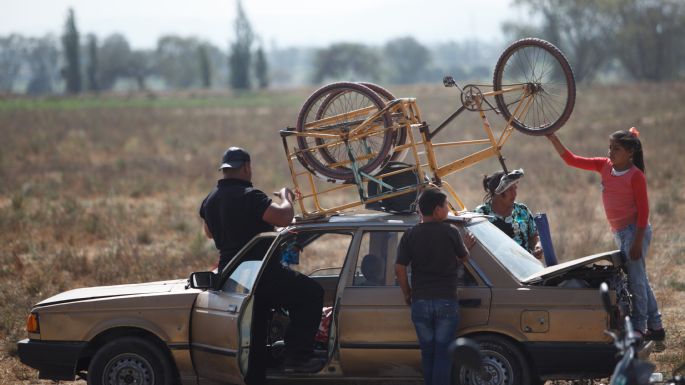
546	74
401	135
336	109
333	154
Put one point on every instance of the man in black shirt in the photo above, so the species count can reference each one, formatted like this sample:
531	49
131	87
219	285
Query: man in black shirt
435	250
233	213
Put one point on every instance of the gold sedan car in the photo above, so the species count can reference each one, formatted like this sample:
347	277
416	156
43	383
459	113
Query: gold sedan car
532	322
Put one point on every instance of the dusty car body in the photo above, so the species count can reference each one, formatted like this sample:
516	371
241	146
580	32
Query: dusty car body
532	322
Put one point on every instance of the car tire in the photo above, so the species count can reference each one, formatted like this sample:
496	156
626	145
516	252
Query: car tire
131	360
503	364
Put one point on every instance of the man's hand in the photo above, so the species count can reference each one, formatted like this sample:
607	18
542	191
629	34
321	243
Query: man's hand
281	214
469	240
538	252
403	280
636	250
286	194
407	298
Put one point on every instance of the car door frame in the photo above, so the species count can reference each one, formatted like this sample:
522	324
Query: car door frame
402	356
225	360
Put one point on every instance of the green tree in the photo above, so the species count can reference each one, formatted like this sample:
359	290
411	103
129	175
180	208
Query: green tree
240	57
645	36
205	66
92	66
11	58
141	65
41	57
177	61
580	28
72	59
649	38
349	61
407	60
114	58
261	69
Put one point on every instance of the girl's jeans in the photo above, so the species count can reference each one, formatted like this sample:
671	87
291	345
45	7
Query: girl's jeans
645	310
436	322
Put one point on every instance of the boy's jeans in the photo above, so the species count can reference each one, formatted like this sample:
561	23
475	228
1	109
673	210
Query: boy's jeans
645	310
436	322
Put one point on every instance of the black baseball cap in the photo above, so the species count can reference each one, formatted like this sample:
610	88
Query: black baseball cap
234	157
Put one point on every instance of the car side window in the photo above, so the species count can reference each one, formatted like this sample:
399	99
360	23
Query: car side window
242	278
376	258
465	277
321	253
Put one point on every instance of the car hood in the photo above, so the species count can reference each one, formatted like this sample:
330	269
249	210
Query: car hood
567	266
114	291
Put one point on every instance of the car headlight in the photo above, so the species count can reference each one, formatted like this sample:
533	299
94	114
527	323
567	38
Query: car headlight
32	325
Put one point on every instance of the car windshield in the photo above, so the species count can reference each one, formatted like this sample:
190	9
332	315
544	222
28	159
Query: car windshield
509	253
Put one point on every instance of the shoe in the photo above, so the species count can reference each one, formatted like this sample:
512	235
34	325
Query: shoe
655	335
311	365
658	336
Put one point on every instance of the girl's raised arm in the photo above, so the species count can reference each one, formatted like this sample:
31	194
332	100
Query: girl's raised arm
561	149
590	164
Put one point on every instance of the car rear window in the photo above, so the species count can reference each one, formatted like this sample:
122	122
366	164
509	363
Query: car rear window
509	253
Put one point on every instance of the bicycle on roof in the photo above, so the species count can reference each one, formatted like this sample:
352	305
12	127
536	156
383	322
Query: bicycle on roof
348	133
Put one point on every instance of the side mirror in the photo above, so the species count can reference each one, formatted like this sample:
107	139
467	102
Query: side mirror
467	353
604	293
203	280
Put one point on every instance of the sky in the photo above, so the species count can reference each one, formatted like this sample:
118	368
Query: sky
280	23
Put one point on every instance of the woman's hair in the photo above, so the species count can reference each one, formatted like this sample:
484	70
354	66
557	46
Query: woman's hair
431	198
490	184
630	141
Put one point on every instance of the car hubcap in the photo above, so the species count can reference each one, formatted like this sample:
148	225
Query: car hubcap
128	369
496	371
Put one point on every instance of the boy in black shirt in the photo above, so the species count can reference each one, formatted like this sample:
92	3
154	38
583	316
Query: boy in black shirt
435	250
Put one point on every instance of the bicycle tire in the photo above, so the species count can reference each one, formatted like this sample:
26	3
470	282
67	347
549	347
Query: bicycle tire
401	135
335	156
323	104
546	70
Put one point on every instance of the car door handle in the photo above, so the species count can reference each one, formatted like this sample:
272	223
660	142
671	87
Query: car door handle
232	308
470	302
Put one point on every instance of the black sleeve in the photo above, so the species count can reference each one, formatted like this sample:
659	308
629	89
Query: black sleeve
458	242
202	208
404	256
258	201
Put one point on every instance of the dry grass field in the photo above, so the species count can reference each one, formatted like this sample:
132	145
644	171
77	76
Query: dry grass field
105	190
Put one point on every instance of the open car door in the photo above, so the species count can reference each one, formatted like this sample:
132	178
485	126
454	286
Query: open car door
221	318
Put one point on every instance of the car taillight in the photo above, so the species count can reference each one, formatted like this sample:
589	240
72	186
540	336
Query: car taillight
32	323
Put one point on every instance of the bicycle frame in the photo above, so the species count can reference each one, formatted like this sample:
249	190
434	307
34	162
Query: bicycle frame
406	116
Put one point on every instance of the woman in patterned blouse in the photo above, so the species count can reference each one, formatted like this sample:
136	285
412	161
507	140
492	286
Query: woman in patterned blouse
513	218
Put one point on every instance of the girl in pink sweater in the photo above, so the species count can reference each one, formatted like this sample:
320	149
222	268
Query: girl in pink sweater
624	194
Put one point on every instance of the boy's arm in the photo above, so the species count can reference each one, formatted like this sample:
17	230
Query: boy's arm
403	280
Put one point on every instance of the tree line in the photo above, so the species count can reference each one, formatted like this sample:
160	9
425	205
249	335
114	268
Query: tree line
74	64
611	40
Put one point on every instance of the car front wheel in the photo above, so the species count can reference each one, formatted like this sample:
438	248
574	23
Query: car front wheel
503	364
128	361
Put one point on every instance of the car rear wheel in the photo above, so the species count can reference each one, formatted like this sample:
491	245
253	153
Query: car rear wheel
503	364
128	361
